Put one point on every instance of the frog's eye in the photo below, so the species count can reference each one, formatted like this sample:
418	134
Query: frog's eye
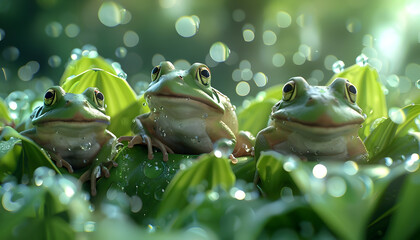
155	73
289	91
204	76
50	97
351	92
99	98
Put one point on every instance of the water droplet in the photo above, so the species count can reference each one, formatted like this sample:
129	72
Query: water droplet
350	168
248	35
72	30
269	38
286	194
18	104
44	176
158	195
283	19
418	84
223	148
136	204
110	14
336	186
362	60
53	29
260	79
278	60
86	146
239	194
393	80
388	161
54	61
89	226
299	58
25	73
205	115
243	88
153	169
121	52
246	74
219	52
338	66
412	163
187	26
396	115
319	171
130	39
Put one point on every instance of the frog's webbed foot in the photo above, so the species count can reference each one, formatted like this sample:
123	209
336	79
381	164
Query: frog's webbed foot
233	159
60	162
97	172
150	142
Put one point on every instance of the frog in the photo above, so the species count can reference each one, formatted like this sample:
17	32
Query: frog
187	115
71	128
315	123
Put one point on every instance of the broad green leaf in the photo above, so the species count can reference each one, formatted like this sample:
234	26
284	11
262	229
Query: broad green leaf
255	117
136	175
22	159
405	223
207	173
120	99
274	92
392	133
342	194
244	168
4	114
76	67
370	96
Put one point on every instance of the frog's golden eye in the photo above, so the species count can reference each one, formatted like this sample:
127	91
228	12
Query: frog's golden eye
155	73
351	92
204	76
99	98
289	91
50	97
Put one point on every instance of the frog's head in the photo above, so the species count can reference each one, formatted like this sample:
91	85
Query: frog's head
68	108
185	90
319	107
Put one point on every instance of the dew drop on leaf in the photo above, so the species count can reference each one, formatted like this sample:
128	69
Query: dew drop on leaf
362	60
338	66
223	148
153	169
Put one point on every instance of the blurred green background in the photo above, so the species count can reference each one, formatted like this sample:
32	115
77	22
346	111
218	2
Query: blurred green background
263	43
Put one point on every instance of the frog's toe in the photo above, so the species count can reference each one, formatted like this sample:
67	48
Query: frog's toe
68	166
124	138
135	140
105	171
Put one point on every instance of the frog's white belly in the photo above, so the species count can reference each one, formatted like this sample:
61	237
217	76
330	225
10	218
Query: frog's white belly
314	148
184	135
76	147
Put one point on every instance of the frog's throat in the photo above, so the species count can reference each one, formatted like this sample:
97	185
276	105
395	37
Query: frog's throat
209	103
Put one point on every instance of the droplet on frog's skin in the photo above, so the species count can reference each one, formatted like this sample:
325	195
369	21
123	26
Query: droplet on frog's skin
338	66
154	110
86	146
205	115
362	60
223	148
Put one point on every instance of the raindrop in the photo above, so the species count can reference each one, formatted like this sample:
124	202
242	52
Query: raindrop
121	52
242	88
54	61
362	60
223	148
89	226
269	37
219	52
153	169
76	54
110	14
239	194
130	39
11	54
290	165
72	30
338	66
299	58
283	19
18	104
393	80
53	29
248	35
44	176
396	115
187	26
319	171
336	186
286	194
238	15
260	79
278	60
412	163
136	204
388	161
158	195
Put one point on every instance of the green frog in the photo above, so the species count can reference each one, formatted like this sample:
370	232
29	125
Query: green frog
187	115
72	129
315	122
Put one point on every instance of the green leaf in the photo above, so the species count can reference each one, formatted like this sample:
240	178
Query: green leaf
4	114
255	116
370	96
76	67
120	99
342	195
404	224
207	173
274	92
21	159
389	136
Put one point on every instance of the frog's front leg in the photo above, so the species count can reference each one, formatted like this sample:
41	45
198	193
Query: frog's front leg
142	137
60	162
100	166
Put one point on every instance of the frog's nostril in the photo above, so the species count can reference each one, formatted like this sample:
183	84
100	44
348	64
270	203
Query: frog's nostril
68	102
181	77
310	102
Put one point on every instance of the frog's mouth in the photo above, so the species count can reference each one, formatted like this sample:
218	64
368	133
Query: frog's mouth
77	119
185	99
